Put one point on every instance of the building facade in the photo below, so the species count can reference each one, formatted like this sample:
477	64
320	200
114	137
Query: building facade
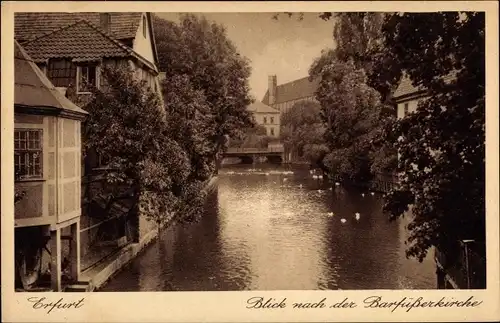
70	50
47	154
267	117
282	97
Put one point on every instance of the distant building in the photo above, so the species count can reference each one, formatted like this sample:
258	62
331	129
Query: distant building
267	117
283	97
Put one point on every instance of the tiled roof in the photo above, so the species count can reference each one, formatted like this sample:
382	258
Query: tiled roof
406	87
259	107
32	88
79	41
294	90
28	26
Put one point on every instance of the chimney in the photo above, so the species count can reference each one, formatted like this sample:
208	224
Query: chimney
273	83
105	21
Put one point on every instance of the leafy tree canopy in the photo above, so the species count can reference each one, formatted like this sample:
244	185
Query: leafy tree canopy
199	50
441	145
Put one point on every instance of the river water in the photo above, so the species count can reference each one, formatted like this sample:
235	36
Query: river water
265	228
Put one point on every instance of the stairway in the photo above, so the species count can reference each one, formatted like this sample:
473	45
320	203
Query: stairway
79	286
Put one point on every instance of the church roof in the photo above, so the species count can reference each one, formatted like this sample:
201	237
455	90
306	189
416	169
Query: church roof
294	90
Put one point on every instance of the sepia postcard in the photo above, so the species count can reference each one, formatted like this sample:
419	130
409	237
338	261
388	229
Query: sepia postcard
250	161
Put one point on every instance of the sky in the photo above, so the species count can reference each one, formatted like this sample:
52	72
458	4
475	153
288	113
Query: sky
285	47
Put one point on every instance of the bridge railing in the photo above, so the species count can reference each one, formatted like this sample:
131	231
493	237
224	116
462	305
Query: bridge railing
256	150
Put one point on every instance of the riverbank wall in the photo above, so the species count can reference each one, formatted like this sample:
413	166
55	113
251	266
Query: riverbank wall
98	276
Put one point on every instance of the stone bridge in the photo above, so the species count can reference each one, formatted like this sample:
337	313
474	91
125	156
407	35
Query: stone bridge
252	155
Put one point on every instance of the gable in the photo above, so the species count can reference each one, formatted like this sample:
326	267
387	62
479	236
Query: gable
79	41
259	107
144	43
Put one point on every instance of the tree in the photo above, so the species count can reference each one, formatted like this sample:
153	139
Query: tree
358	37
200	50
127	124
441	145
302	131
350	110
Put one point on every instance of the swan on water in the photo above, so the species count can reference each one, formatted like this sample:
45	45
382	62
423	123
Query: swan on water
358	216
285	179
267	174
372	193
343	220
315	176
337	184
330	188
363	194
320	176
300	186
330	213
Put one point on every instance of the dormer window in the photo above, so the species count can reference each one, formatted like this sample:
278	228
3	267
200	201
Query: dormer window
144	26
86	78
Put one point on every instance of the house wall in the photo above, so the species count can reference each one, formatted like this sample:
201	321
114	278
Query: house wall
38	205
259	118
412	105
142	45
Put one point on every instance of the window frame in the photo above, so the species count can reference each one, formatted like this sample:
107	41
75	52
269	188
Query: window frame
265	119
406	108
271	131
29	154
272	120
79	73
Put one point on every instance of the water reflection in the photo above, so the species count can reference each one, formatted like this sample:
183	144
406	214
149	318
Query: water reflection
272	229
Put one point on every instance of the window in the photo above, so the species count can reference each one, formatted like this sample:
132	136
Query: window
62	73
272	119
87	76
265	119
272	131
28	153
144	26
405	111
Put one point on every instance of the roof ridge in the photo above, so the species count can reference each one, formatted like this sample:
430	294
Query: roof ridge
109	37
128	49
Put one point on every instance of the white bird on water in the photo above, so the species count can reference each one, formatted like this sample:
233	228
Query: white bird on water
320	176
358	216
372	193
337	184
300	186
343	220
315	176
267	174
285	179
330	214
363	194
